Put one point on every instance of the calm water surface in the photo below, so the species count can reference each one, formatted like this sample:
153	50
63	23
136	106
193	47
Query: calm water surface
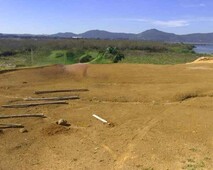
204	48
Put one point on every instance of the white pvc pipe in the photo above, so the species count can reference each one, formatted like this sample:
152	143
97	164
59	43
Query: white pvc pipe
99	118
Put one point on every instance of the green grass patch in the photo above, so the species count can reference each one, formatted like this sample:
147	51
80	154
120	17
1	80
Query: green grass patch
160	58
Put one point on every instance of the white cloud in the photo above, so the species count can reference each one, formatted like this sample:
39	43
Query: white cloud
162	23
165	23
171	23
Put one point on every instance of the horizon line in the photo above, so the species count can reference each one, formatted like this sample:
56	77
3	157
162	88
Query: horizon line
47	34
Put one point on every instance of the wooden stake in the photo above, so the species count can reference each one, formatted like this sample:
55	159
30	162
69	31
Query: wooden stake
53	98
5	126
33	104
60	91
22	115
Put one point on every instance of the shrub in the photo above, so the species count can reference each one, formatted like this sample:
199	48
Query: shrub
114	54
112	50
118	57
58	55
7	53
85	58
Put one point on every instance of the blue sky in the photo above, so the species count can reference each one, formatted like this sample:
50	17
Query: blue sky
134	16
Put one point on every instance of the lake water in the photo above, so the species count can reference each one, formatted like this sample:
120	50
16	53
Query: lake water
204	48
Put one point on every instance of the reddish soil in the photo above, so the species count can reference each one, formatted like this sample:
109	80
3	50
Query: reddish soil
162	118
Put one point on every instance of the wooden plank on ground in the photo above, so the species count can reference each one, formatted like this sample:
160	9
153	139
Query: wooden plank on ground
33	104
60	91
53	98
22	116
5	126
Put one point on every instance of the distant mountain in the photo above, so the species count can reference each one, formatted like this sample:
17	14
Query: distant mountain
149	35
199	38
63	35
156	35
99	34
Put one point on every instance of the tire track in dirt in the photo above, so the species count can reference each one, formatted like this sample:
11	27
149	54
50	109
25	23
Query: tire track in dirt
128	154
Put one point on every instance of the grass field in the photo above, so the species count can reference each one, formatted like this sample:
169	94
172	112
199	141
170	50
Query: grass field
25	53
160	58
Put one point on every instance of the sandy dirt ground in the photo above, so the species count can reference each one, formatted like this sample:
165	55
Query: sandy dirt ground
162	118
204	60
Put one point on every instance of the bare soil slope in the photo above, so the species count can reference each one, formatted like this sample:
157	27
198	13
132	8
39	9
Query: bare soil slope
162	117
204	60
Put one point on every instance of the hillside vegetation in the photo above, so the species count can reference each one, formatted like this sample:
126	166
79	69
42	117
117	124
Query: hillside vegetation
37	52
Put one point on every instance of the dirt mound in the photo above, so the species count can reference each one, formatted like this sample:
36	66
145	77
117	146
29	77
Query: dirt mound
52	70
76	69
204	60
54	129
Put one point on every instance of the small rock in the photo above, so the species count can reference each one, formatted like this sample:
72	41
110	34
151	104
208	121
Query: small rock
1	131
23	130
62	122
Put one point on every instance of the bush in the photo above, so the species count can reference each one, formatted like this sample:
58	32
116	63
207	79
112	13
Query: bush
118	57
7	53
86	58
58	55
114	54
112	50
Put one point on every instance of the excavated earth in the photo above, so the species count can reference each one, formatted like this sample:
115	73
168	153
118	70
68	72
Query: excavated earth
161	118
